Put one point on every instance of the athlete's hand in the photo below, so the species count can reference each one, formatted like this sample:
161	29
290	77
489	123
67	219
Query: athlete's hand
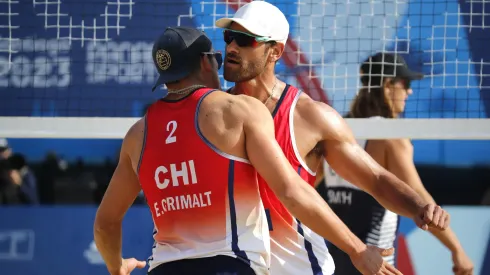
432	216
370	261
462	264
128	265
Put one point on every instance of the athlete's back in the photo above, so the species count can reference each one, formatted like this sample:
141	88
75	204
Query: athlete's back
204	202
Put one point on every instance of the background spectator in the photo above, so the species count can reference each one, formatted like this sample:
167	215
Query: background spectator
9	179
27	179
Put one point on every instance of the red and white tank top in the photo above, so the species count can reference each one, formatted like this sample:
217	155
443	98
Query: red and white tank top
295	249
203	202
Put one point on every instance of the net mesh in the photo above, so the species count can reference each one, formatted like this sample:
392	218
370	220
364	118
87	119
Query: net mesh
92	58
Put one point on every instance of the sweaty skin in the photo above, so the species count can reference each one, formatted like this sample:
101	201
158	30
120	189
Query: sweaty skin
240	126
320	132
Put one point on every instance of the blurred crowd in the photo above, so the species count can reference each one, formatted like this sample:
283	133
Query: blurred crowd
55	181
51	181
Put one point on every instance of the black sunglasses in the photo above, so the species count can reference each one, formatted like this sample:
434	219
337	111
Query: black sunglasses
243	39
217	55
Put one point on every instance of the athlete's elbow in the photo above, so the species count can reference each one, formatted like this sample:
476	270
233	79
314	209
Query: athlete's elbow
295	194
289	194
105	228
290	201
287	191
103	223
283	193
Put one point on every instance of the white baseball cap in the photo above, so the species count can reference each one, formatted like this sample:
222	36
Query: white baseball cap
3	144
260	18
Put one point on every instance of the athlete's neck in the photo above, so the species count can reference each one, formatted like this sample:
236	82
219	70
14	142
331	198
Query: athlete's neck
181	86
261	87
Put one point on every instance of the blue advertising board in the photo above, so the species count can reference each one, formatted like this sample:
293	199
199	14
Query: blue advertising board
59	240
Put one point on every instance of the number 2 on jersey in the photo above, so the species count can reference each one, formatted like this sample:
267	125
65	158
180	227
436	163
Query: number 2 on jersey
171	127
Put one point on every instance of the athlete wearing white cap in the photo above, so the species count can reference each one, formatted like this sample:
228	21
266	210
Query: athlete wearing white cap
307	132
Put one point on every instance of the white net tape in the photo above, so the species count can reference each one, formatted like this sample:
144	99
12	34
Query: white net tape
116	128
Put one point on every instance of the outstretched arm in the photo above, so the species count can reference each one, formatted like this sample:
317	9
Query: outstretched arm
353	164
400	162
299	197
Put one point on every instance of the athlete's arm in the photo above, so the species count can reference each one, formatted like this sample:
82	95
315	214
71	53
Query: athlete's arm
299	197
353	164
320	174
119	196
399	153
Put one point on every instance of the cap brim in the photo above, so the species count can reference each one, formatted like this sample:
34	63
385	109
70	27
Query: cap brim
226	22
415	76
405	72
166	78
223	22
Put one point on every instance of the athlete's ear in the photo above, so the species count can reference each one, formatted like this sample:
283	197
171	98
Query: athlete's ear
206	63
276	50
387	84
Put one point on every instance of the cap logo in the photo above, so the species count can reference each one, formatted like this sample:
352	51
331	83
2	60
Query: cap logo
163	59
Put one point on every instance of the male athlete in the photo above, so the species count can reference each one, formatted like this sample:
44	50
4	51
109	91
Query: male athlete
194	154
307	132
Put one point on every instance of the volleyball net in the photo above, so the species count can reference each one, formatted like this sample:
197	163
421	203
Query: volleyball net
83	69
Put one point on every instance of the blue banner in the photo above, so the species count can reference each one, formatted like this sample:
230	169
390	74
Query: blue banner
59	240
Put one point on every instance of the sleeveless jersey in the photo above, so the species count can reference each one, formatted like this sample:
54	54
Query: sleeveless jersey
364	216
203	202
295	249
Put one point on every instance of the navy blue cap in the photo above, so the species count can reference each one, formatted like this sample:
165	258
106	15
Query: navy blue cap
176	52
386	65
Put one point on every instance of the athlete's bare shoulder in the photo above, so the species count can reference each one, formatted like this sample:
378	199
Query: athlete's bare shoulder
135	134
402	145
133	142
224	118
322	118
234	107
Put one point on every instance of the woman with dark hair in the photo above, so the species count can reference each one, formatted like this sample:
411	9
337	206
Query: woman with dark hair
386	81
